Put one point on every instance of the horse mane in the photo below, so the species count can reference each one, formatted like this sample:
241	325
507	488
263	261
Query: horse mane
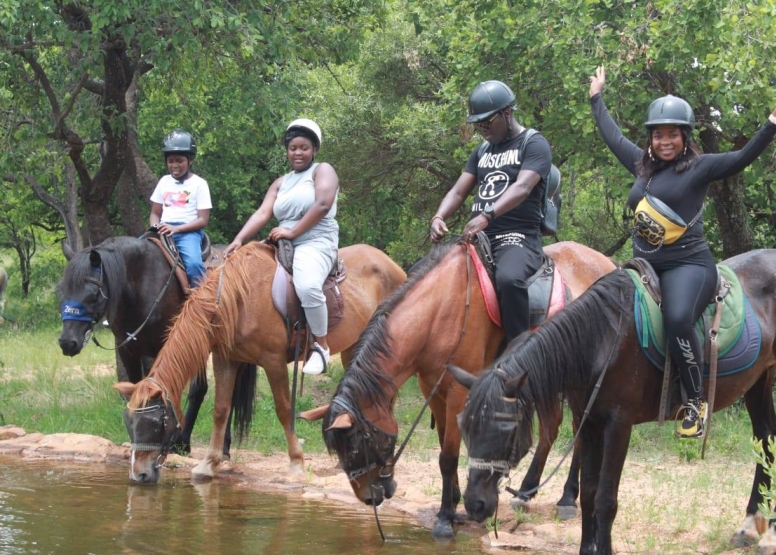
363	379
208	317
113	269
563	353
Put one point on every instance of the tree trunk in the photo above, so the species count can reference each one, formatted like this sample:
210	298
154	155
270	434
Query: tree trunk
736	234
729	206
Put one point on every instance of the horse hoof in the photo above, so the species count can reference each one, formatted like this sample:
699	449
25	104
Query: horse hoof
443	530
565	512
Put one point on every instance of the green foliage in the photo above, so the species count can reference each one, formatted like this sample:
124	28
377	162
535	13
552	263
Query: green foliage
768	505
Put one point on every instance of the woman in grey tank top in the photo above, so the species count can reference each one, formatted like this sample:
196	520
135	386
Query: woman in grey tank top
304	201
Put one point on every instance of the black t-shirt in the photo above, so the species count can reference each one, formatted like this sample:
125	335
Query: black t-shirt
683	191
497	169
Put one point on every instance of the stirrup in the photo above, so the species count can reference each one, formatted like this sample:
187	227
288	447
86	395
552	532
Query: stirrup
311	366
699	421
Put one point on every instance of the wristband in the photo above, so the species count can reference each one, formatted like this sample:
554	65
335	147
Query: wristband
440	218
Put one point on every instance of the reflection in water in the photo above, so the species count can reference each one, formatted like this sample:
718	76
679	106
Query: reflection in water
50	509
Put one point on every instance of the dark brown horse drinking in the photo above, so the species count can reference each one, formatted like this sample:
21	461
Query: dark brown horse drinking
131	281
232	315
438	316
602	348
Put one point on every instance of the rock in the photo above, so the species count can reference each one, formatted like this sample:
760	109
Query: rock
10	432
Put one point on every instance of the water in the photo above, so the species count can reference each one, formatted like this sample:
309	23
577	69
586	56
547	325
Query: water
85	509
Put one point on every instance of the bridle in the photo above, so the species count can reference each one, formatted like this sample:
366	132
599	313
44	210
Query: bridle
84	316
373	437
503	466
150	411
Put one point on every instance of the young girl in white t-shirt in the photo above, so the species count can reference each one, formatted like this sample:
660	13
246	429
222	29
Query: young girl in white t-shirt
181	203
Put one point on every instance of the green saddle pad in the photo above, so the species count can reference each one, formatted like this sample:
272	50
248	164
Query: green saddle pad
730	327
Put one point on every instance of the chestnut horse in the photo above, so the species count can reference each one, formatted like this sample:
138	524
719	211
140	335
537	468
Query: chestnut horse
437	317
232	314
601	353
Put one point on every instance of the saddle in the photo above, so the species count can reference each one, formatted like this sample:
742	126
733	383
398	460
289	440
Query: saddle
212	256
287	302
547	290
728	327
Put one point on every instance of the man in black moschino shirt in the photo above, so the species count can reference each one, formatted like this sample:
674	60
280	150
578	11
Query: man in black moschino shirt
508	190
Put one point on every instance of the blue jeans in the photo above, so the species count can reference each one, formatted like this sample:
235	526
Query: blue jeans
189	245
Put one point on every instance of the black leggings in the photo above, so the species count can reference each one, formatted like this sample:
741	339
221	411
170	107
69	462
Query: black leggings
517	258
687	287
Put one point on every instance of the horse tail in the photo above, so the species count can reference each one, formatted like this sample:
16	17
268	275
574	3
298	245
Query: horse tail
242	399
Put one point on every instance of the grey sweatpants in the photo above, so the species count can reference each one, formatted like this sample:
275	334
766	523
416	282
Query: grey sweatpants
313	261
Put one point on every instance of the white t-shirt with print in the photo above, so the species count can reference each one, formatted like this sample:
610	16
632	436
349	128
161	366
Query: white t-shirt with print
181	200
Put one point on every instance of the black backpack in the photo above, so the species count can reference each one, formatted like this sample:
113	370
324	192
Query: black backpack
552	198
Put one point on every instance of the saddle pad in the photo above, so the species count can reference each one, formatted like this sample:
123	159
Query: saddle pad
547	292
739	334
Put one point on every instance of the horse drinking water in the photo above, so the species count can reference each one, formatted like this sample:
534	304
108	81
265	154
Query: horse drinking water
232	314
602	352
438	316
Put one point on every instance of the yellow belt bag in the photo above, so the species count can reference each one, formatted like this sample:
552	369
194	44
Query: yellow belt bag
656	223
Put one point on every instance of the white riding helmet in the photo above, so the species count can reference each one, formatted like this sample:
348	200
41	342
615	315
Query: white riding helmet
309	125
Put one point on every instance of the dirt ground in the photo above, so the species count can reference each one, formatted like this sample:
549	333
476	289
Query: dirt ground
663	507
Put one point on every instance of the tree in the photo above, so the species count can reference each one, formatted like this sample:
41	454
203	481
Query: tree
72	74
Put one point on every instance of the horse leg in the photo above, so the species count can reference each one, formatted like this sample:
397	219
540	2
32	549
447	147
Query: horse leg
591	447
225	372
759	405
450	442
277	376
197	392
616	436
566	508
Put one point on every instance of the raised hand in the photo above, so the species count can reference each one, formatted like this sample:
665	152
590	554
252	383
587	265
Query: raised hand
597	81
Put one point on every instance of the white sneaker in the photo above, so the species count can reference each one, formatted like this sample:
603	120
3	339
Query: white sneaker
318	361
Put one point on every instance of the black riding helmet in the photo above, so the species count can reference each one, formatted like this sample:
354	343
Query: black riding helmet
488	98
670	110
179	142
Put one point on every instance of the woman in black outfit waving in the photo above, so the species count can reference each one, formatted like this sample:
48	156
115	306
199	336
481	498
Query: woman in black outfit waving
672	181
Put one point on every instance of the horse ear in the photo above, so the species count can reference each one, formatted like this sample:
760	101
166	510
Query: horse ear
125	388
313	414
513	386
67	250
461	376
94	258
343	422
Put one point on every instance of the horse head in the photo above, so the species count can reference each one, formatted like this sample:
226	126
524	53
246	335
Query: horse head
496	426
153	425
363	446
85	301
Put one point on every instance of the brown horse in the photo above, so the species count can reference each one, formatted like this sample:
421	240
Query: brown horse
232	315
601	360
437	317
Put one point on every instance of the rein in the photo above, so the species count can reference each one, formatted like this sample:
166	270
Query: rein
133	336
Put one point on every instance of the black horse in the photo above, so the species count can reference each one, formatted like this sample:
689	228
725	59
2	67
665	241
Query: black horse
596	336
130	281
